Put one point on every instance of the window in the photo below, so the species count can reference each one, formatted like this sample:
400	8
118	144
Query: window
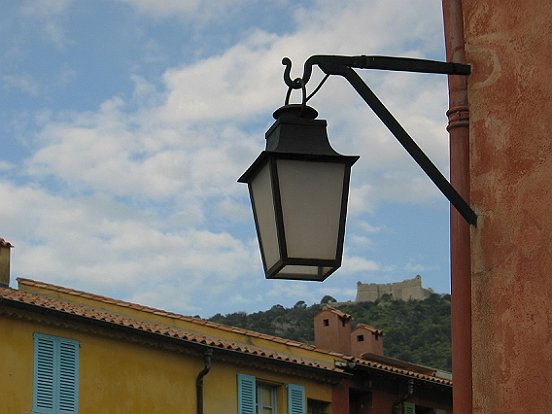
419	409
56	373
409	408
317	407
257	397
266	399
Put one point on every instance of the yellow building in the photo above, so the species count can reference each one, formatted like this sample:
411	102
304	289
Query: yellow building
69	351
65	351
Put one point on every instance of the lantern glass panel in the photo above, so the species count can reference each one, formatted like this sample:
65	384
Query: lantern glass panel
311	195
261	192
305	272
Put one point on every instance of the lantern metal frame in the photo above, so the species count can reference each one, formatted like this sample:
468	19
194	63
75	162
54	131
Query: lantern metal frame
313	146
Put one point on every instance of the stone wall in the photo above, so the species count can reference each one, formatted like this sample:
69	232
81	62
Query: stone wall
405	290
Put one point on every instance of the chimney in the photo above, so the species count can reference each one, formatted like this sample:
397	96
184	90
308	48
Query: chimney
332	330
5	247
366	339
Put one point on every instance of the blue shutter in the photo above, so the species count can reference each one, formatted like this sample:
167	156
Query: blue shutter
296	399
247	394
44	374
68	376
56	369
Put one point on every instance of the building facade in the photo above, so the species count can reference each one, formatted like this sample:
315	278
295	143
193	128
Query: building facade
66	351
501	162
402	388
510	170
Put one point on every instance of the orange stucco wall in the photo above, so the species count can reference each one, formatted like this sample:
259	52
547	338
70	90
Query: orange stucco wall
510	98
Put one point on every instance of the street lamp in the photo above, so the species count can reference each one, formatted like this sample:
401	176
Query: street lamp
299	185
299	188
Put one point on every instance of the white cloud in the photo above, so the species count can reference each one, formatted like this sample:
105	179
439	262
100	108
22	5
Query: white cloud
176	141
124	199
22	82
356	264
165	8
154	52
200	11
102	246
186	172
46	15
360	27
66	76
358	241
6	166
45	7
234	87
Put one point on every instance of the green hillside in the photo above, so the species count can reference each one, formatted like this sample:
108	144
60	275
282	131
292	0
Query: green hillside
416	331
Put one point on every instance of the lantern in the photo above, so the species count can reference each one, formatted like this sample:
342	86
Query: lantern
299	191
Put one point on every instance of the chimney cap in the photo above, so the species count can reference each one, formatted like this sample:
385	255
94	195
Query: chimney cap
340	314
369	328
5	243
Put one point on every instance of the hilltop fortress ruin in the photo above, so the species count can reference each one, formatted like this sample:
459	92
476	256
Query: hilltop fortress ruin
405	290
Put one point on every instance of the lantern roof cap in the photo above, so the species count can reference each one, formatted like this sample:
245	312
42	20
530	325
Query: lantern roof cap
295	111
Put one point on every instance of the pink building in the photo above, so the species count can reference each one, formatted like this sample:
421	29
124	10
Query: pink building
501	160
377	383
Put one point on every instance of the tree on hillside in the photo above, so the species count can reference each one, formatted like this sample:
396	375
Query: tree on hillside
416	331
327	299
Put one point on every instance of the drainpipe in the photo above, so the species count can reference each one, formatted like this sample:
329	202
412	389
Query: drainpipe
199	381
395	409
460	254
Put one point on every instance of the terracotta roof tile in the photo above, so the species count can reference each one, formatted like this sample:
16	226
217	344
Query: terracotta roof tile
140	325
147	309
170	331
369	328
400	371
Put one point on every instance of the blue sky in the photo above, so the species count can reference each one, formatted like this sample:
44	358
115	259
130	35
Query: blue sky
124	125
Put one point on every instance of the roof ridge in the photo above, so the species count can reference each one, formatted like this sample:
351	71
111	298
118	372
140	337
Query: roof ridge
82	310
161	312
368	327
400	370
79	309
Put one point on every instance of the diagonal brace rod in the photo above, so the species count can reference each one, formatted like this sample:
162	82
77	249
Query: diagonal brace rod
340	68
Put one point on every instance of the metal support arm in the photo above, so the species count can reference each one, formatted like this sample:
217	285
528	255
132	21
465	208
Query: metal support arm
342	66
